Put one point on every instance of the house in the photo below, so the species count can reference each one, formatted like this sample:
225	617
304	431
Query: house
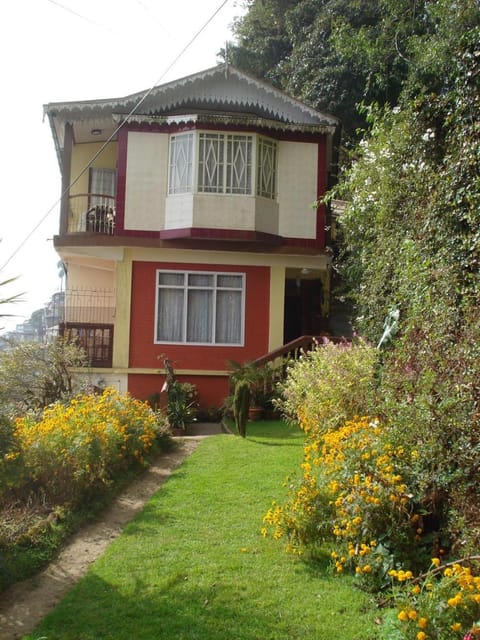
190	228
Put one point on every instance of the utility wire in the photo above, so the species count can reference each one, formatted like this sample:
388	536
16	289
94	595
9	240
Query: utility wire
111	137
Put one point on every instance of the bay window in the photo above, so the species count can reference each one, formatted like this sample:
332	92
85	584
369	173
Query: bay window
200	307
222	163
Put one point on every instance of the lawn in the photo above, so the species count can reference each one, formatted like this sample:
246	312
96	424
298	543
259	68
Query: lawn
193	564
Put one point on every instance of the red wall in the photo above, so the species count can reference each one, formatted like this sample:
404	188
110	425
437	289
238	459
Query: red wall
144	353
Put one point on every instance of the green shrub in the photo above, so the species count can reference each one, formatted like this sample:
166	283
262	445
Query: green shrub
329	385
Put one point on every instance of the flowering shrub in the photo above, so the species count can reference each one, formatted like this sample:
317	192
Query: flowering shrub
442	604
76	446
330	384
353	491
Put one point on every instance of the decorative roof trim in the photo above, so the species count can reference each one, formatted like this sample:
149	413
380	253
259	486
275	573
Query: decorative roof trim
242	121
84	108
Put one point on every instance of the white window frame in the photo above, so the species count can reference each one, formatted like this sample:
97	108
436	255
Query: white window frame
215	288
213	170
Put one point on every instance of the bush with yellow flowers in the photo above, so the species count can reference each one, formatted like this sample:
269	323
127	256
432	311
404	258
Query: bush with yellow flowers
354	492
78	446
441	604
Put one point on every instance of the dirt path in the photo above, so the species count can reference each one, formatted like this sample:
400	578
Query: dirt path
25	604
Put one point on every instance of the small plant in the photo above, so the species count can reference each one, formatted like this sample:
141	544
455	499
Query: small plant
182	404
241	404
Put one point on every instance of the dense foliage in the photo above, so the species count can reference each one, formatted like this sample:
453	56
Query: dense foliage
333	54
33	375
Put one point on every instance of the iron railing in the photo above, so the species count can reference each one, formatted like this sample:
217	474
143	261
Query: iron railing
91	213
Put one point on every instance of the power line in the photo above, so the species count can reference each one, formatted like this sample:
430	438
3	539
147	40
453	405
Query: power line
79	15
115	132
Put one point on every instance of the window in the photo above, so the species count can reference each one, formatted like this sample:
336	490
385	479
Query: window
224	164
199	308
266	168
181	158
102	183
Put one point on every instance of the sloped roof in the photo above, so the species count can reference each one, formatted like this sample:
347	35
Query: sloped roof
221	89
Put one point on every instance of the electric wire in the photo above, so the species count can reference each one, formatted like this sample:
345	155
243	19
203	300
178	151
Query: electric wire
115	132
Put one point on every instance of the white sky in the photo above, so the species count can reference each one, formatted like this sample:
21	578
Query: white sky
59	50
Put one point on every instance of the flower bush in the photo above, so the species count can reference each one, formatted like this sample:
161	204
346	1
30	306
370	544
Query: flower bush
77	446
354	492
442	604
329	385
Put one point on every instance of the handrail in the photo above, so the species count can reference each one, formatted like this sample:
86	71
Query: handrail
292	348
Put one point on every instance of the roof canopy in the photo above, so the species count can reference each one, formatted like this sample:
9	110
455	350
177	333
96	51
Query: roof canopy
220	91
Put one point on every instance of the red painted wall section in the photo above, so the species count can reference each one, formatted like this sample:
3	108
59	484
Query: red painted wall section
145	353
212	390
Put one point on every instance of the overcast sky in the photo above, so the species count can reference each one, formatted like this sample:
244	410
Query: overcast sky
78	50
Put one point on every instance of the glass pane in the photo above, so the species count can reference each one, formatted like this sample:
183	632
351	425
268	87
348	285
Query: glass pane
210	163
181	152
230	282
171	279
170	315
199	321
200	279
267	160
228	317
239	164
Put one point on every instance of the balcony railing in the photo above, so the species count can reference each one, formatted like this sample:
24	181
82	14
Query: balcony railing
91	213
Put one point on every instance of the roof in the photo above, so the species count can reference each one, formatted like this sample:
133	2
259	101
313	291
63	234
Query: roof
220	90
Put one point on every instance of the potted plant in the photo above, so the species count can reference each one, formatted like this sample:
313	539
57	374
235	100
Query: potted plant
254	376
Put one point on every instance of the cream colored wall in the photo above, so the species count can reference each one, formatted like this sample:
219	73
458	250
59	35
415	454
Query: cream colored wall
146	185
82	155
297	189
216	211
121	340
277	307
81	276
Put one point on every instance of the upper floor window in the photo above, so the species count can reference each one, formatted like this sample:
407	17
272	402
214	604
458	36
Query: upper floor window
222	163
181	159
200	308
266	168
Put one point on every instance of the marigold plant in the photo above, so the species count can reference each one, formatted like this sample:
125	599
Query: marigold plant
442	604
353	491
76	446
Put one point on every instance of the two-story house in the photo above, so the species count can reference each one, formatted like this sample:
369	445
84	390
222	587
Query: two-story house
190	227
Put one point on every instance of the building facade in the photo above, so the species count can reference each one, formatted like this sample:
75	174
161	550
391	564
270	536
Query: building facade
191	228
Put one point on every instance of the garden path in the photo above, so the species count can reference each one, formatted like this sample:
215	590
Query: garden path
26	603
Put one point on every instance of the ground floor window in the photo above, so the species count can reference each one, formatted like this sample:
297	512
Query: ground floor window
200	307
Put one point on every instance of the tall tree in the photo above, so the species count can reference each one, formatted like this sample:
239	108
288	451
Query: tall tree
334	54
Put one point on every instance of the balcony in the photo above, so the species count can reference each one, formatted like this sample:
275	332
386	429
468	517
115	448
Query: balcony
91	213
89	321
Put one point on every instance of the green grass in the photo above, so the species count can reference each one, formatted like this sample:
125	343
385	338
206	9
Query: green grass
193	564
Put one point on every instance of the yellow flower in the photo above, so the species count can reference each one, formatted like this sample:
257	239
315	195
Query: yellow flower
403	615
421	635
436	562
456	626
422	623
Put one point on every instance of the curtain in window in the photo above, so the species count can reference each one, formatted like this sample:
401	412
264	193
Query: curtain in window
239	164
102	183
181	158
210	163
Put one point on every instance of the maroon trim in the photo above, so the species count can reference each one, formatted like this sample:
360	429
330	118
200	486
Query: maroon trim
181	127
220	234
121	181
